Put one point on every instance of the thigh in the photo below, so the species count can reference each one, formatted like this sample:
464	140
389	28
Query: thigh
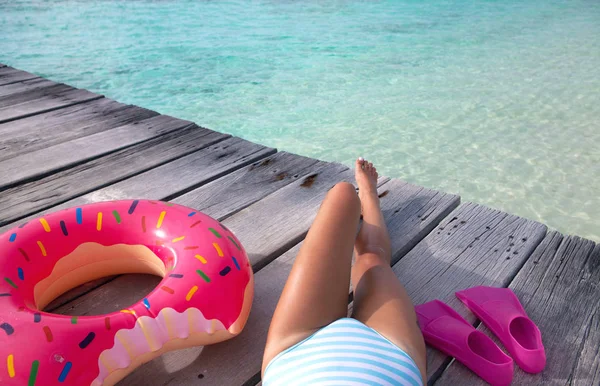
381	302
316	292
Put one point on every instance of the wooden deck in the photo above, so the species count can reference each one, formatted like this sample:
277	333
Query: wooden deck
61	146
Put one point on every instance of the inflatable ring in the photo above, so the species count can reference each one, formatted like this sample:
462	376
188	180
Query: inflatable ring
204	297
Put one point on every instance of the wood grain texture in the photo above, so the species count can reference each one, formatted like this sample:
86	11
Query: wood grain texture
22	200
215	162
558	287
58	126
24	104
45	161
10	75
26	85
236	191
473	246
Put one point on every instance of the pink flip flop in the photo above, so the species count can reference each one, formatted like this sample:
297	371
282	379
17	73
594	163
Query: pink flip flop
500	310
444	329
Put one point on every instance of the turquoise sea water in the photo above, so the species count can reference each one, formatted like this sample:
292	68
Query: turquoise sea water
498	101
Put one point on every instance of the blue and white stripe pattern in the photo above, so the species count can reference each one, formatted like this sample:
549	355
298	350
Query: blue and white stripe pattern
346	352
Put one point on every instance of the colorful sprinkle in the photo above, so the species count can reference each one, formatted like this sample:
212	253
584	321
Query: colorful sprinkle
33	373
144	224
48	333
191	214
146	303
132	312
45	224
99	222
23	225
63	226
37	317
79	215
168	203
191	293
5	294
234	243
7	328
24	254
194	224
203	275
10	364
20	273
236	263
178	239
42	249
160	243
167	289
13	237
176	275
11	283
189	248
132	207
214	232
218	248
117	217
65	372
74	320
107	323
225	271
202	259
160	219
87	340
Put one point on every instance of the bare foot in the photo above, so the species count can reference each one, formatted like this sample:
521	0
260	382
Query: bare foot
366	178
373	236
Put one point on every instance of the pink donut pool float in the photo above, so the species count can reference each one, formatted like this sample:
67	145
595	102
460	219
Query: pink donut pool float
204	297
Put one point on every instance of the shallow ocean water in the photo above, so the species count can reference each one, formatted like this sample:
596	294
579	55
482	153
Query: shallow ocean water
498	101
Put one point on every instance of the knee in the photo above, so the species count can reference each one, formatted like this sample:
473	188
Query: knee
372	258
345	192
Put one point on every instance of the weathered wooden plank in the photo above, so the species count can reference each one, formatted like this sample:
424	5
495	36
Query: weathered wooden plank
475	245
22	200
10	75
410	212
58	126
226	196
24	104
217	162
558	287
25	86
45	161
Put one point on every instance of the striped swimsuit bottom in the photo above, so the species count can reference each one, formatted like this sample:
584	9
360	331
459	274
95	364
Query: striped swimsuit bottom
346	352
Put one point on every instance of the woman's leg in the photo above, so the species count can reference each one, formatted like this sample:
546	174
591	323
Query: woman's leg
316	292
380	301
